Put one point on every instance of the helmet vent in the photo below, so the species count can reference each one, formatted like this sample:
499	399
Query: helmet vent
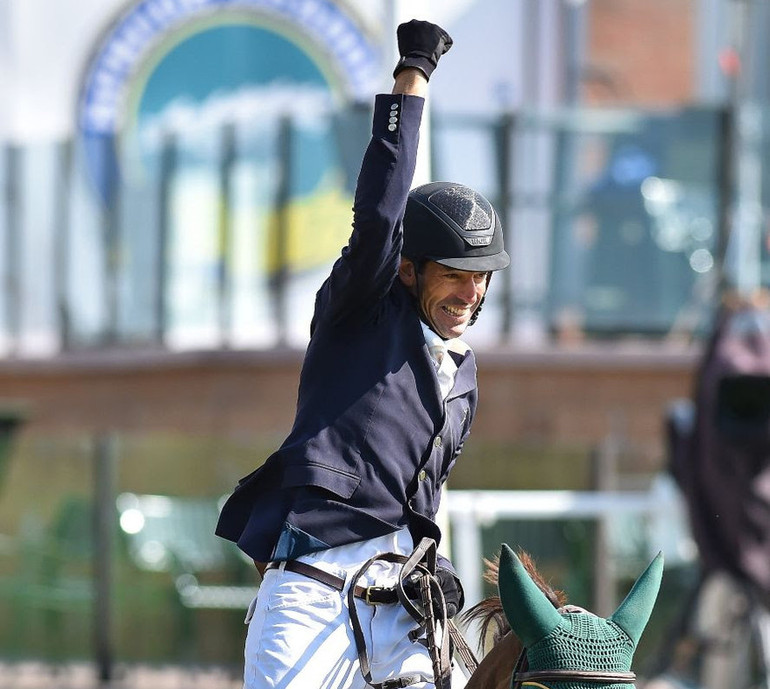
471	211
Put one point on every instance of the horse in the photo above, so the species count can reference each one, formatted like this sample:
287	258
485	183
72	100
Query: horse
540	638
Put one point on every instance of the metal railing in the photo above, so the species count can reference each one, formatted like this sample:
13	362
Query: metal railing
222	243
470	511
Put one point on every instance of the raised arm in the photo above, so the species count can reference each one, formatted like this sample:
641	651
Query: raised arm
369	263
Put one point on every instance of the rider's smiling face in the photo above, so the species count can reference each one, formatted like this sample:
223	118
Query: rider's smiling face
448	297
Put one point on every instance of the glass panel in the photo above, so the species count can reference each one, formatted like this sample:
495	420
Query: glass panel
611	220
5	300
614	216
641	224
38	334
138	252
85	261
194	253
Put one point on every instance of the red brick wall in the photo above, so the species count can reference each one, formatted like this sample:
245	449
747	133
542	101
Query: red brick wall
640	52
556	398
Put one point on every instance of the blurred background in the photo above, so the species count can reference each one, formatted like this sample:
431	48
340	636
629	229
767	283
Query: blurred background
176	179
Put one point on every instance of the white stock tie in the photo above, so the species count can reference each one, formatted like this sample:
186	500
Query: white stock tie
445	365
437	351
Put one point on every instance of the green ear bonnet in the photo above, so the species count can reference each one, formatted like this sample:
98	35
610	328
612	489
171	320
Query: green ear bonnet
575	641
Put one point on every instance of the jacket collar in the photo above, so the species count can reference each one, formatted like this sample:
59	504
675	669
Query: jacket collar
465	380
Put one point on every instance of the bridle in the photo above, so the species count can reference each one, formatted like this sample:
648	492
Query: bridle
522	677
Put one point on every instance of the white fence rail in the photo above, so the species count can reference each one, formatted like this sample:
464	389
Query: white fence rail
469	511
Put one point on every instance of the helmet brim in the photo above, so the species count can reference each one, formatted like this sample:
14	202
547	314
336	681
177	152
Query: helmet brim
475	264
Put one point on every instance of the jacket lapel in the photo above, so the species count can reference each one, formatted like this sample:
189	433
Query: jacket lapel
465	380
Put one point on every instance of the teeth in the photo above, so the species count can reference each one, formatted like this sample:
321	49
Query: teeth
455	311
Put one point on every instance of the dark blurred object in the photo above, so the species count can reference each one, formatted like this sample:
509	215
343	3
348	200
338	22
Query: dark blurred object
719	454
722	461
11	418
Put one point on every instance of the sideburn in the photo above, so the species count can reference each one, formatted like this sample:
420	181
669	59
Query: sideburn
417	292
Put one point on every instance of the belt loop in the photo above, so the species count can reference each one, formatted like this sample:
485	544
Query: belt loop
273	565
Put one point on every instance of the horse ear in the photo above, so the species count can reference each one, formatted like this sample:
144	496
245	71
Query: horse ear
529	612
634	612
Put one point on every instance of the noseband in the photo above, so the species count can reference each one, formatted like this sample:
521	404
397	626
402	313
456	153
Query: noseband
521	674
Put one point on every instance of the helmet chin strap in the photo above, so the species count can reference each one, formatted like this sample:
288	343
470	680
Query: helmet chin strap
476	313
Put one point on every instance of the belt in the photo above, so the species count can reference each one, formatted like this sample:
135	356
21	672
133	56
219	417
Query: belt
374	595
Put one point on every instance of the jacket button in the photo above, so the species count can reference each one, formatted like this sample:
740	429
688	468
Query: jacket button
437	441
422	475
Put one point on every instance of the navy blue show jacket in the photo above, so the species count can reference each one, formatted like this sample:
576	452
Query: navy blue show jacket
373	441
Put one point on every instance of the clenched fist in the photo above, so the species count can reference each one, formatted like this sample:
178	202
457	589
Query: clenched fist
420	45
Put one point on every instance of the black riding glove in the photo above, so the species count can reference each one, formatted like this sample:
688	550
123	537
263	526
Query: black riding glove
420	45
450	587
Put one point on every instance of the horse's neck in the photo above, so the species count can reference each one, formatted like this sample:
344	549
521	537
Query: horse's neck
494	671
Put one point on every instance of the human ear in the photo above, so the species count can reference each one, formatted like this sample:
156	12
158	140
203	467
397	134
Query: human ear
407	273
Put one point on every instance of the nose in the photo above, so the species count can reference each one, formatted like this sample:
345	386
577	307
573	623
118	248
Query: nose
469	290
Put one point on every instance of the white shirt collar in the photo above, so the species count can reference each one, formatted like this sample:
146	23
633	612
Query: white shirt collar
446	368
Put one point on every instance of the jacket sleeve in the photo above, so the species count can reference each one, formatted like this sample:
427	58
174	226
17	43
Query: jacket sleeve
369	263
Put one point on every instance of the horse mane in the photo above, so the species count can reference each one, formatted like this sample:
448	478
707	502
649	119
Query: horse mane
489	612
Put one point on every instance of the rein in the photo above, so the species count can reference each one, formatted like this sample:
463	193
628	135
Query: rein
423	562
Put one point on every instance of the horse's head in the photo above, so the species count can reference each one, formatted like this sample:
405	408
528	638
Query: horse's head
570	648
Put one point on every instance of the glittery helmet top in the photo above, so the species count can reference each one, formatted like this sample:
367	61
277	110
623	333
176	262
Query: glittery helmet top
453	225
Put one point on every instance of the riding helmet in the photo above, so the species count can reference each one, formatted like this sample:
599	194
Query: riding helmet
454	225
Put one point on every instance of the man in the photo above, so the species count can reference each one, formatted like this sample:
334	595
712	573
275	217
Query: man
380	418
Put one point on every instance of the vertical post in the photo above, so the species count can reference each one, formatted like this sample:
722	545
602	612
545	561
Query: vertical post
742	247
104	460
12	246
504	141
568	255
725	194
62	196
167	172
280	277
224	273
574	48
111	242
